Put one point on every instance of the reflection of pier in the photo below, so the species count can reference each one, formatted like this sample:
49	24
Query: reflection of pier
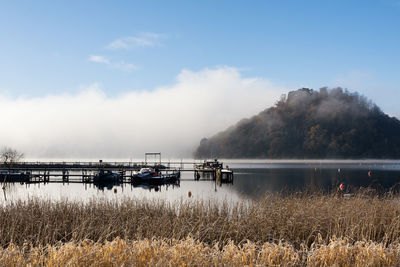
50	175
157	187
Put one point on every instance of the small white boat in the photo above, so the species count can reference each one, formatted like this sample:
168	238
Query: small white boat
147	175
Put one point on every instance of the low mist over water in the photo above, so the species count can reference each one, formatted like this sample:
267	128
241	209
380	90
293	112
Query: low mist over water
253	179
171	119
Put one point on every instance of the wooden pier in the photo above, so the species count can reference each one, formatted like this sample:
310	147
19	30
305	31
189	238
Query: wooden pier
214	170
84	172
93	166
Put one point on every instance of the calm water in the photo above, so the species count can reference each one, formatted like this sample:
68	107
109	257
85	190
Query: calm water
252	179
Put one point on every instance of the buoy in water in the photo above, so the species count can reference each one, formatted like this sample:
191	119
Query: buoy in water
341	190
190	194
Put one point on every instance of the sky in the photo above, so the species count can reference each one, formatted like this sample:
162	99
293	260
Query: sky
119	78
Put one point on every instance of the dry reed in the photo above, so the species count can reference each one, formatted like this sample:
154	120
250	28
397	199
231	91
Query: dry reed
295	219
190	252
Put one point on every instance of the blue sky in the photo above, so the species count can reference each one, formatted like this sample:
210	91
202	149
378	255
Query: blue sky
119	47
45	45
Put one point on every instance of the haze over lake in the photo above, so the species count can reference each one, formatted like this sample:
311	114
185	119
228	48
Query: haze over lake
252	179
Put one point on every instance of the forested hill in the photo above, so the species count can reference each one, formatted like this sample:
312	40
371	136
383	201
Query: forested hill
329	123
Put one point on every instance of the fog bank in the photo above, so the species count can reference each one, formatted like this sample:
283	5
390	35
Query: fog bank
170	119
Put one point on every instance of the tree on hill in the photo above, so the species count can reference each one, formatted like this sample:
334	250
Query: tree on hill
329	123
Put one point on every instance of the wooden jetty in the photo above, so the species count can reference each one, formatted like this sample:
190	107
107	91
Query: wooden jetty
214	170
83	172
88	172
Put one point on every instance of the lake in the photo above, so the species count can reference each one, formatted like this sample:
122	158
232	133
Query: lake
252	179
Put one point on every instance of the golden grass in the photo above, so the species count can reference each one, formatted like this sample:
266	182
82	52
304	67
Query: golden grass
190	252
298	229
294	219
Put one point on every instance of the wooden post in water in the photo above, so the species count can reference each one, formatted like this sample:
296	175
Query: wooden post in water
65	175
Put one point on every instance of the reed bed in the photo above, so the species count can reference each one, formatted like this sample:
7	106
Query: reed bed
296	229
190	252
294	219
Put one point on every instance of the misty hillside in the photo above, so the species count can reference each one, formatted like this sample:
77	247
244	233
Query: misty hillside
329	123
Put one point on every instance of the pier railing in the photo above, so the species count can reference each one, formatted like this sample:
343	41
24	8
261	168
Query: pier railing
95	165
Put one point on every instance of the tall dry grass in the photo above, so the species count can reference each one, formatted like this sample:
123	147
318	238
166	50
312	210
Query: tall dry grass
298	220
190	252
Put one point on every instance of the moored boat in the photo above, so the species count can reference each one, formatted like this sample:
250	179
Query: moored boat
13	176
107	177
154	176
148	175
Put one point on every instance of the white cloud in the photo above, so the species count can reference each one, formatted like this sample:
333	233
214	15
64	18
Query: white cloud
142	39
120	65
169	119
99	59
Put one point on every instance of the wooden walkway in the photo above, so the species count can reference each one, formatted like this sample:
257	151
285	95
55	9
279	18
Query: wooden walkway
85	171
93	166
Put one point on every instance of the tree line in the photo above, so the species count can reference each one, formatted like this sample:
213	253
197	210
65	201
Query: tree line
329	123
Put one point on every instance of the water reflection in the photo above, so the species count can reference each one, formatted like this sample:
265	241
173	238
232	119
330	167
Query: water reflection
156	187
251	181
108	186
254	183
200	190
146	186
